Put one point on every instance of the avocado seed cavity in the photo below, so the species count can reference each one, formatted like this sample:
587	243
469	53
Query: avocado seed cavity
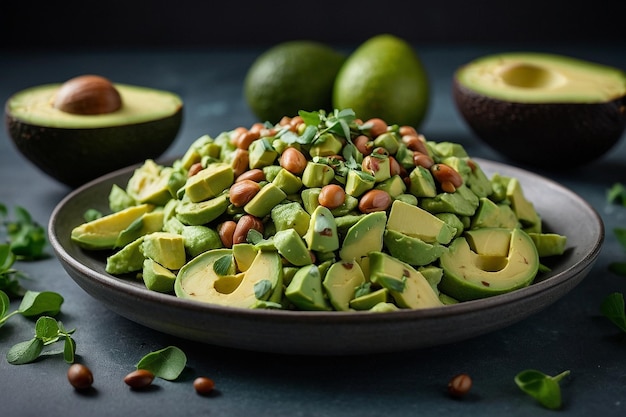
531	76
87	95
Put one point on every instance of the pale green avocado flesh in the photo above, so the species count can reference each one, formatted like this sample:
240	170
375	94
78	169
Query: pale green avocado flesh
542	78
139	105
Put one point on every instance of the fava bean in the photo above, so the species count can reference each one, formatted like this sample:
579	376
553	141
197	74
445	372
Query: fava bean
203	385
459	385
226	231
80	376
374	200
139	379
293	161
241	192
379	126
246	223
332	196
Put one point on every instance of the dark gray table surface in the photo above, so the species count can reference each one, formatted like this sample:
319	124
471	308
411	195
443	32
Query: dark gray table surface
570	334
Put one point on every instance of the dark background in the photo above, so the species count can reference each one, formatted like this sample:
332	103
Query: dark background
227	23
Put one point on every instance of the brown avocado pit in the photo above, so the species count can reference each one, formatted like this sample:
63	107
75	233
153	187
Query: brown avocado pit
89	126
88	94
544	110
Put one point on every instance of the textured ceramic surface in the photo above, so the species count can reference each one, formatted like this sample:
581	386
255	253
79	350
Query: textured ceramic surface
334	333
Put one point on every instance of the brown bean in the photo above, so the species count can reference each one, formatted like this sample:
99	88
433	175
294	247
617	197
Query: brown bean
257	127
194	169
244	140
363	144
416	143
246	223
242	192
422	160
331	196
374	200
80	376
203	385
226	231
459	385
234	136
395	168
379	126
293	161
448	177
139	379
256	175
407	130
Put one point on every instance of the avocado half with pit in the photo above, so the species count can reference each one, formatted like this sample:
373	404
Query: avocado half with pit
544	110
88	126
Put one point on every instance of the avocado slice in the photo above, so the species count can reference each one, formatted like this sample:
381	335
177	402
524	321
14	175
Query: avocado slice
532	106
103	233
60	143
487	262
262	281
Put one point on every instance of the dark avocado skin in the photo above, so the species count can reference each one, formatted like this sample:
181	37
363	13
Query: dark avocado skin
61	153
550	136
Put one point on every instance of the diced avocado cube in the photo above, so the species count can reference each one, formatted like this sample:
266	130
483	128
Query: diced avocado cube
209	182
167	249
158	278
291	216
265	200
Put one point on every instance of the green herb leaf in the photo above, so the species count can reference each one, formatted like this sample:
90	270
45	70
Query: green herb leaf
25	352
5	304
363	289
617	194
167	363
27	238
36	303
262	289
620	234
69	349
542	387
613	308
92	214
47	329
223	265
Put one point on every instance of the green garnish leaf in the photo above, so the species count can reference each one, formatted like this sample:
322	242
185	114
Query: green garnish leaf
92	214
620	234
254	236
617	194
27	239
36	303
47	329
5	304
223	265
25	352
613	309
167	363
262	289
363	289
310	118
69	350
542	387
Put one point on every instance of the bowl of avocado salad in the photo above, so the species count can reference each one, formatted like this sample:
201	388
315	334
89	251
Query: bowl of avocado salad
281	237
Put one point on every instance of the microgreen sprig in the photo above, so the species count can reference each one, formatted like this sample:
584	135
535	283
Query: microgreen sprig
33	304
27	238
47	331
542	387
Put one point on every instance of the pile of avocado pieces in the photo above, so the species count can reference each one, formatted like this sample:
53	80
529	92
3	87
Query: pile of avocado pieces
430	249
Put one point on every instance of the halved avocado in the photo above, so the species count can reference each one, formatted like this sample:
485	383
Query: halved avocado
77	147
488	261
532	107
